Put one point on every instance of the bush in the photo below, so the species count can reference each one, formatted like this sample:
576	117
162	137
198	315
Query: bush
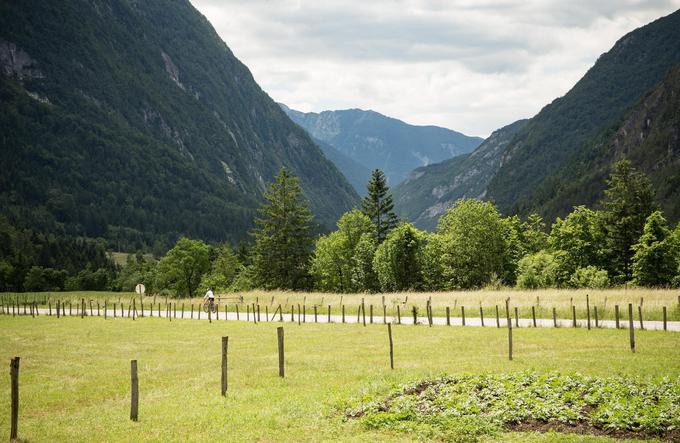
589	277
539	270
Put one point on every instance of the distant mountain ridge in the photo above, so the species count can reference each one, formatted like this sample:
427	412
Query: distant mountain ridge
430	190
376	141
134	122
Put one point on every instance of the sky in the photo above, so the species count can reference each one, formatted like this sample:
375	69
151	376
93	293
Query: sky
468	65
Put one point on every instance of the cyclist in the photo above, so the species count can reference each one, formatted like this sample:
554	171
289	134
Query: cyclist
210	299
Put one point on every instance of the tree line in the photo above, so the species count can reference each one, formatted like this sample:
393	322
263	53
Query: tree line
626	240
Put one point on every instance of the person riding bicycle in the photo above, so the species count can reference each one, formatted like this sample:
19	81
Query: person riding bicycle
210	298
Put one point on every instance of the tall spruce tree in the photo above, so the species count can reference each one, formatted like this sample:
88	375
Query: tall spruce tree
378	205
283	240
628	202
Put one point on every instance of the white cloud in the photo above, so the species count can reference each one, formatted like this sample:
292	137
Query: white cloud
469	65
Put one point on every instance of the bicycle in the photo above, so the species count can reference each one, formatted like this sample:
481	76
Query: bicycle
210	306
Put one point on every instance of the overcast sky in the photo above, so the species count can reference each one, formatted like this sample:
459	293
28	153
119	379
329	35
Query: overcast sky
468	65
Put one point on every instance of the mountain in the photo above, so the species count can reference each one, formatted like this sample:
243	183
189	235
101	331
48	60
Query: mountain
377	141
649	137
429	190
133	121
356	174
599	101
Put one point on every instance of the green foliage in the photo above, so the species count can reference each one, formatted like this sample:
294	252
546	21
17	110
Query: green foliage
183	267
629	200
398	261
44	279
378	205
147	128
465	407
537	271
138	269
589	277
343	259
283	240
655	262
473	244
223	270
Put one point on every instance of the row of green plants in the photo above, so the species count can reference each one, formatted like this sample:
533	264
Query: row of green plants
626	241
467	407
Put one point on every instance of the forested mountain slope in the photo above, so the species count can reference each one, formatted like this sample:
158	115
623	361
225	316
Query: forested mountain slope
619	78
133	121
375	141
649	137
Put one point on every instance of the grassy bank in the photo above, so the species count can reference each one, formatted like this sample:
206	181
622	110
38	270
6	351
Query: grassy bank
75	374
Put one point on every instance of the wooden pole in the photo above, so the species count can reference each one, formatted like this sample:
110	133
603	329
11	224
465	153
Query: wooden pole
554	312
384	313
14	375
642	326
630	327
573	315
315	314
516	317
597	323
279	334
509	324
533	315
398	315
280	313
343	312
225	345
448	316
363	310
389	333
481	314
329	313
616	315
105	311
415	315
462	314
498	318
588	310
134	397
663	312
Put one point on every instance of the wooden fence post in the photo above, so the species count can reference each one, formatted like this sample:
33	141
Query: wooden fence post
389	332
642	326
533	315
398	315
105	311
363	311
134	308
343	313
329	313
481	314
507	314
134	397
225	344
57	308
597	322
279	334
573	315
554	312
384	313
315	315
448	316
462	314
588	310
14	375
630	327
516	317
616	314
415	315
114	310
663	312
498	318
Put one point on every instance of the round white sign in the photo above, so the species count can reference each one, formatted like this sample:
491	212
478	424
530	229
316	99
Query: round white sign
140	289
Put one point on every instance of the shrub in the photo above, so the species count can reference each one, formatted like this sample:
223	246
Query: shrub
537	271
589	277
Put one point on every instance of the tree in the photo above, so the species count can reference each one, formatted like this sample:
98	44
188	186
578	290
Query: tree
473	243
398	261
580	239
138	269
537	271
655	262
182	268
223	270
534	237
340	260
378	205
283	240
629	200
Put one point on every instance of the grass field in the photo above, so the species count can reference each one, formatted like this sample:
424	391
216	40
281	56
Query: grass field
543	301
75	374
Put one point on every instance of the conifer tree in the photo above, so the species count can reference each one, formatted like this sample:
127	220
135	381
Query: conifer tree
283	240
629	200
378	205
